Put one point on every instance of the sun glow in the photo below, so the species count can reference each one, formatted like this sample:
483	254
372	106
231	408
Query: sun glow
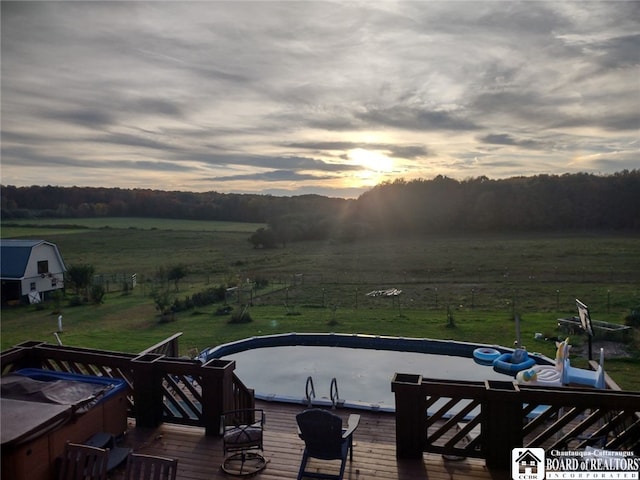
371	160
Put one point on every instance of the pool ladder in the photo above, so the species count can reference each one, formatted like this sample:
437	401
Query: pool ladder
333	392
310	392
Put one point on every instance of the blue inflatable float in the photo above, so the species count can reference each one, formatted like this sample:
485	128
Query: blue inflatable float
512	363
485	355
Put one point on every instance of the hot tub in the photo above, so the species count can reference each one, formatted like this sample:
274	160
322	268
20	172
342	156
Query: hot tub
44	409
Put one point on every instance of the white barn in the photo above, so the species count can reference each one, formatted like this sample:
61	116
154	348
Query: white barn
30	270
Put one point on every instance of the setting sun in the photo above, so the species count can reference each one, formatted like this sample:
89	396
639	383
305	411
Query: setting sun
371	160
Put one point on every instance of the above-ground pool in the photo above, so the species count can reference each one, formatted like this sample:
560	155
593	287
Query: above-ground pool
277	366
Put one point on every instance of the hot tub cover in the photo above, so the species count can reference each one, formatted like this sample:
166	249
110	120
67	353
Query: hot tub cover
33	406
61	392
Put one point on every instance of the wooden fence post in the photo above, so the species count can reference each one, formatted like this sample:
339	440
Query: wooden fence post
501	423
411	415
147	390
217	393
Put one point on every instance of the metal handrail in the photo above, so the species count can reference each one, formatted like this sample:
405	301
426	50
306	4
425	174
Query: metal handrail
309	394
333	389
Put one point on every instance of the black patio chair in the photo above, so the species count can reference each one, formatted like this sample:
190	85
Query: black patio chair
325	439
242	441
149	467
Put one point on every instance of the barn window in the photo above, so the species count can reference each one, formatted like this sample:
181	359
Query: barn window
43	266
32	286
54	282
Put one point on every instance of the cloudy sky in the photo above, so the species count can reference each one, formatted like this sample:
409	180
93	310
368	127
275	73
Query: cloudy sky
297	97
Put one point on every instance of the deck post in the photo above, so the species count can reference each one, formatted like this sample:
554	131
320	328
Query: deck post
501	423
147	390
411	415
217	393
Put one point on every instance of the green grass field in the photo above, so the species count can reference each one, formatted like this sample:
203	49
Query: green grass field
457	287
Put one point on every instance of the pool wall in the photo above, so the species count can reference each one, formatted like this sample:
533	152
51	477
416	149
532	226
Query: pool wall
358	340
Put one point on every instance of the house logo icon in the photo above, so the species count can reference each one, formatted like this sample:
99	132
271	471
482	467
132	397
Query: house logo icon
527	464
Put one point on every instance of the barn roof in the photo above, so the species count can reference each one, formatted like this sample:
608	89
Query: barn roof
14	256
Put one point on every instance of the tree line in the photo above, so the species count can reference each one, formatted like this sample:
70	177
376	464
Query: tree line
569	202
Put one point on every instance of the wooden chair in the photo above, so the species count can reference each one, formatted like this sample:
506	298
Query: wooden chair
148	467
83	462
325	439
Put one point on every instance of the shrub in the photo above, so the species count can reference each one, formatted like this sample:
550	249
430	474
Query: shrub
75	301
56	301
224	310
240	317
97	294
261	282
633	319
162	301
208	296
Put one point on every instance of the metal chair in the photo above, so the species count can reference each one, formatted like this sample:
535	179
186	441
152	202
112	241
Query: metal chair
242	439
325	439
83	462
148	467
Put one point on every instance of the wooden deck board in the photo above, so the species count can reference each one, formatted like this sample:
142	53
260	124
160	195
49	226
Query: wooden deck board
199	457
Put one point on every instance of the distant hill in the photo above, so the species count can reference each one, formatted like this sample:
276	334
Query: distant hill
539	203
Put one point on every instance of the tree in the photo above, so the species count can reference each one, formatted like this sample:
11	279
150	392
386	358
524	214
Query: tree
177	273
80	277
263	238
163	302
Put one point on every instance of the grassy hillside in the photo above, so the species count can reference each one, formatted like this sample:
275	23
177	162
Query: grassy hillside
464	288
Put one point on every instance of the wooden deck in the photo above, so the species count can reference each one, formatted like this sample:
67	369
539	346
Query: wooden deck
199	457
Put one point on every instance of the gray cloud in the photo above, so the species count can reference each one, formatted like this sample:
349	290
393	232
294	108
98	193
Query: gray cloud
86	118
26	157
417	119
505	139
274	176
244	96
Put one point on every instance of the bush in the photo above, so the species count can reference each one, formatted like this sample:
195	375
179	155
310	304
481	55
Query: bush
633	319
240	317
208	296
75	301
56	301
162	301
167	317
182	305
224	310
97	294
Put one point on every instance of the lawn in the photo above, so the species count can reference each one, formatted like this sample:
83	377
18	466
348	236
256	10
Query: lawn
457	287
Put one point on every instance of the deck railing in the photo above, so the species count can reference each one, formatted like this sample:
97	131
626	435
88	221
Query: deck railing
163	388
488	419
169	346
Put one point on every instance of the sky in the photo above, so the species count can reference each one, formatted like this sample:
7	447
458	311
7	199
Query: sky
306	97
